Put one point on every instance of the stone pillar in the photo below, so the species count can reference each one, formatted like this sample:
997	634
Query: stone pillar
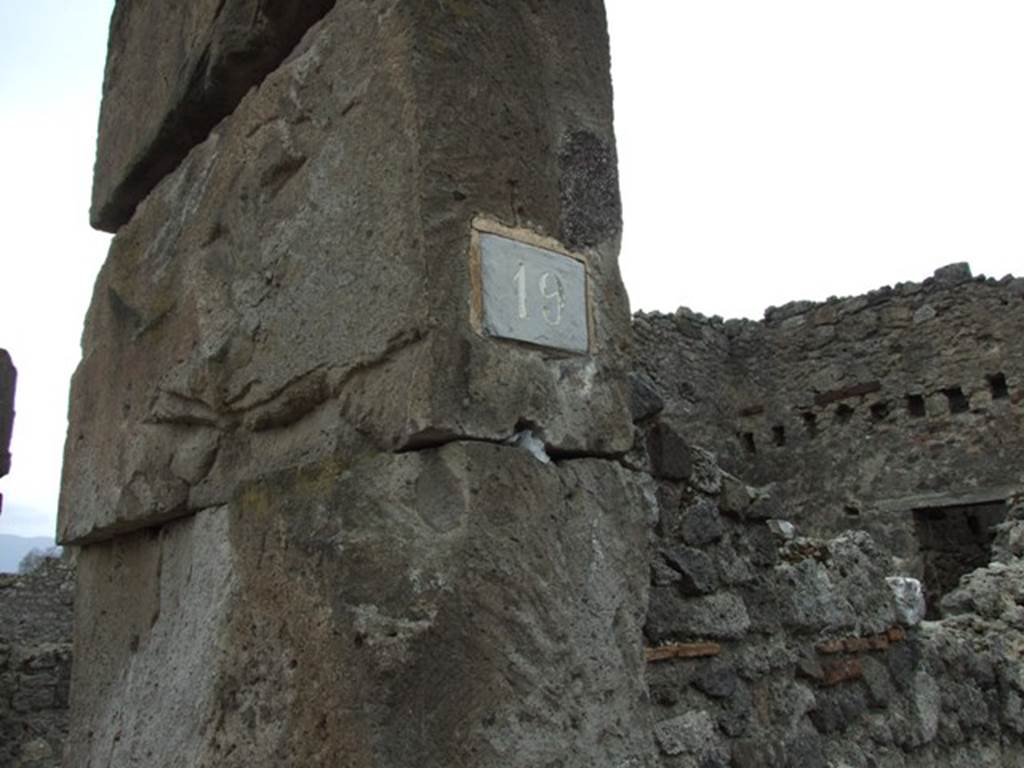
342	451
8	380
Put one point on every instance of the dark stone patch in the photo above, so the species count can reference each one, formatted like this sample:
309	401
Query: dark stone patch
717	680
838	709
670	454
644	400
591	209
696	570
701	523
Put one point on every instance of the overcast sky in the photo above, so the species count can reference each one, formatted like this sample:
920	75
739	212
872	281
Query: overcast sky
769	151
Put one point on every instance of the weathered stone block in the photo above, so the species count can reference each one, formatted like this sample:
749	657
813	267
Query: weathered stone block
695	571
174	70
8	379
700	523
644	400
463	605
670	454
721	616
301	287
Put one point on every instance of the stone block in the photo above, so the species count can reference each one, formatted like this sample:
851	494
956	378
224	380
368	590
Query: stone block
301	286
735	497
8	380
644	400
174	70
671	458
465	605
695	570
722	616
953	274
700	523
909	598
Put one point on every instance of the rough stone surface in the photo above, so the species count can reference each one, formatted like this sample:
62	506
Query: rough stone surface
300	286
466	605
669	453
174	70
644	400
812	666
324	520
35	664
910	604
8	379
865	412
694	736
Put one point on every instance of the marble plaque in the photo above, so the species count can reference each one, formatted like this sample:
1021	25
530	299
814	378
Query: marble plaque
533	294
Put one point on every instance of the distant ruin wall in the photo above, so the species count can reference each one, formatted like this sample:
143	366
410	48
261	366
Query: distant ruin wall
35	664
861	410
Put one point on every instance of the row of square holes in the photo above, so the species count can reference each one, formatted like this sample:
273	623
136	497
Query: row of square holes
958	403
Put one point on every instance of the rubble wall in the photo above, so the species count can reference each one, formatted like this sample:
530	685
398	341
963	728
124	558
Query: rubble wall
860	410
35	663
771	650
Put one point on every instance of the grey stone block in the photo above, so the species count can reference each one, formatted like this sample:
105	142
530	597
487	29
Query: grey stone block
721	616
695	570
493	599
174	70
302	284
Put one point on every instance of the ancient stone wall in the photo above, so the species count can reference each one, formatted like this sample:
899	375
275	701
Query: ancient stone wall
875	412
768	650
35	663
357	473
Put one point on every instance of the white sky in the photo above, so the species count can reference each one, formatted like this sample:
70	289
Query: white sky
769	151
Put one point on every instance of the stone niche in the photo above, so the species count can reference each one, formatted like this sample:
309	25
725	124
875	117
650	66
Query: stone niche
954	541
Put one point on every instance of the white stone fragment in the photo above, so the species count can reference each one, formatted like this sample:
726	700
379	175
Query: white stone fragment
783	529
530	443
910	605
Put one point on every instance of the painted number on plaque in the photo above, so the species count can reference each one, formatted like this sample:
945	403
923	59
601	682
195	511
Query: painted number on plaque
533	294
551	291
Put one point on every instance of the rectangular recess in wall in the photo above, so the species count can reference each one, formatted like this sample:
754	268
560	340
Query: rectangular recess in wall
997	384
916	406
953	541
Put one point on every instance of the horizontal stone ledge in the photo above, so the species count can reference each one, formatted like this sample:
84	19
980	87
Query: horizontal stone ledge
986	495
